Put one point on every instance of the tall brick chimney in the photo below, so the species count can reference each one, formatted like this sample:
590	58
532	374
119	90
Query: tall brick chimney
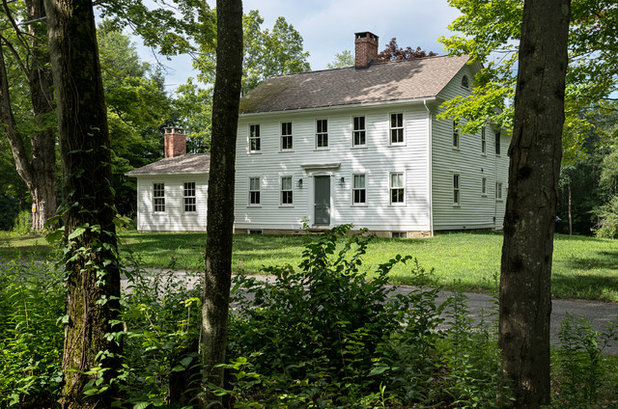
366	49
175	142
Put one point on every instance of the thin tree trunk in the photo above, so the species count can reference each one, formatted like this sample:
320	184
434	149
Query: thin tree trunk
93	283
535	154
39	170
7	120
44	140
220	219
570	210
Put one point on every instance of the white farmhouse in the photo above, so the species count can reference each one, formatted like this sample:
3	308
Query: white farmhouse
358	145
362	145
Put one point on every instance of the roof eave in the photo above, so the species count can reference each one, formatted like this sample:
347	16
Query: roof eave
420	100
164	173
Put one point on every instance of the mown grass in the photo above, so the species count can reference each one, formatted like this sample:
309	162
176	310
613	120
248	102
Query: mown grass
583	267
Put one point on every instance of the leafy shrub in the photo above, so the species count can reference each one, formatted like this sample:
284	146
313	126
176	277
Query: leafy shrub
23	222
582	371
324	320
31	301
161	316
608	224
323	336
472	358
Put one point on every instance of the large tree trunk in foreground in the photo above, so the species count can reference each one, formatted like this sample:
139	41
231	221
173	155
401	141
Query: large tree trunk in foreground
93	283
535	154
217	278
38	171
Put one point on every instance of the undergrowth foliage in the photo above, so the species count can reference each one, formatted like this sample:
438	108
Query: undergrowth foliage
581	373
319	335
31	338
324	336
161	315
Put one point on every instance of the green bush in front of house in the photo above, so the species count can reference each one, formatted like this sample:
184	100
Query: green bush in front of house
324	335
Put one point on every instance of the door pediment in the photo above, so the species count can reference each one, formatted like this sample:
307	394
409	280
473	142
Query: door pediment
321	166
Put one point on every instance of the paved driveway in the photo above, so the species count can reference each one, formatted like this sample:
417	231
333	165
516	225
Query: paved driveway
598	313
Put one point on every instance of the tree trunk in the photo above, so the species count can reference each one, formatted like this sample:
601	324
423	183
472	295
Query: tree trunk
38	171
93	283
535	154
570	210
43	142
220	219
9	127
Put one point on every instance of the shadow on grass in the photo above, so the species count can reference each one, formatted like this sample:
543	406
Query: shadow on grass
36	252
566	237
609	260
602	287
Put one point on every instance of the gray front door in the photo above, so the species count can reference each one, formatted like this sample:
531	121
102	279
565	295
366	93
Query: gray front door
322	199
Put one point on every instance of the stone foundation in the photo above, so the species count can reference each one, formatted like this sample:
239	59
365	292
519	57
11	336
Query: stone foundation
384	234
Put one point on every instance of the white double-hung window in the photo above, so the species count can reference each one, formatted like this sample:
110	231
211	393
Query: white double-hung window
254	191
321	135
158	197
456	193
287	194
397	190
359	135
255	142
359	191
455	136
286	136
189	197
396	129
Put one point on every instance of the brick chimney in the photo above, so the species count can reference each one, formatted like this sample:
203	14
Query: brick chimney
175	142
366	49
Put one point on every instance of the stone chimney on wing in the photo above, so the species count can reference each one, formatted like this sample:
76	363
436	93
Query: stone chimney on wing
366	49
175	142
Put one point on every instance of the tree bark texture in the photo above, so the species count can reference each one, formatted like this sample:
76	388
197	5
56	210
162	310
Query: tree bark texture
38	168
535	154
570	210
44	141
93	283
220	219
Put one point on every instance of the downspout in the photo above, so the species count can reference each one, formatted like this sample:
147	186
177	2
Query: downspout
429	165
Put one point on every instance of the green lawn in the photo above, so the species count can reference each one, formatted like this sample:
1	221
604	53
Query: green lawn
584	267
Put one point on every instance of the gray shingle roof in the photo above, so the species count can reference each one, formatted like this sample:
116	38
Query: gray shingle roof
393	81
192	163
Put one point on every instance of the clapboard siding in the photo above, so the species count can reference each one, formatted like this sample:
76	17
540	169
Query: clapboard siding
376	160
475	211
174	218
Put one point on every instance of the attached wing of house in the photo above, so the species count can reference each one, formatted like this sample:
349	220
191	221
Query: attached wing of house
172	192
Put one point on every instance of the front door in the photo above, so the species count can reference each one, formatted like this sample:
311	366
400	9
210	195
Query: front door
322	200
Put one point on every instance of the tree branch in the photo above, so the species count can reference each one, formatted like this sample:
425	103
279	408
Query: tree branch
24	69
14	24
7	122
